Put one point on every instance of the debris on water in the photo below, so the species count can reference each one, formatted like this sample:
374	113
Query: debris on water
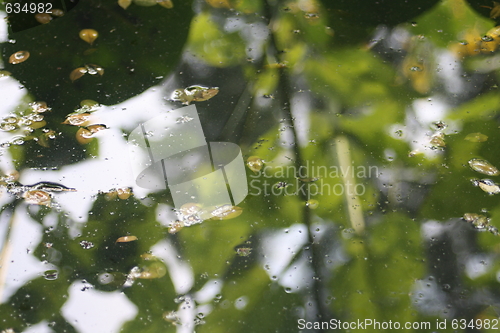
255	163
194	94
175	227
19	57
476	137
88	35
487	185
126	239
243	251
86	245
309	180
483	166
172	317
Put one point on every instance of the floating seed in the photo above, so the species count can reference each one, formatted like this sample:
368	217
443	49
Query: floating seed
312	203
5	74
226	212
57	12
487	185
88	35
81	119
484	167
255	163
93	69
84	136
39	107
19	57
476	137
145	3
126	239
124	193
77	73
96	128
437	140
166	3
37	197
154	271
43	18
124	3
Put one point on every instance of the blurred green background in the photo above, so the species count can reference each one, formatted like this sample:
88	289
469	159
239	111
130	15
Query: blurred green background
380	104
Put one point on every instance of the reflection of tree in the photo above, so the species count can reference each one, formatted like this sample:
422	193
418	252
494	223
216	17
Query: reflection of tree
300	83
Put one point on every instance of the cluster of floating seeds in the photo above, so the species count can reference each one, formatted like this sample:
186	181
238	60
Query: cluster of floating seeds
480	222
193	213
82	118
486	168
27	124
121	193
44	18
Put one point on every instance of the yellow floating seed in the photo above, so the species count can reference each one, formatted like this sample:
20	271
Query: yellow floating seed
37	197
77	73
124	193
89	35
57	12
43	18
124	3
81	119
255	163
126	239
166	3
19	57
84	136
476	137
483	167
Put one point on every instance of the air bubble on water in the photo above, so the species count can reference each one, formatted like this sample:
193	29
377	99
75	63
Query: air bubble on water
50	274
288	290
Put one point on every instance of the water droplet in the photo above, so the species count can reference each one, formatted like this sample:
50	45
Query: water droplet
288	290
